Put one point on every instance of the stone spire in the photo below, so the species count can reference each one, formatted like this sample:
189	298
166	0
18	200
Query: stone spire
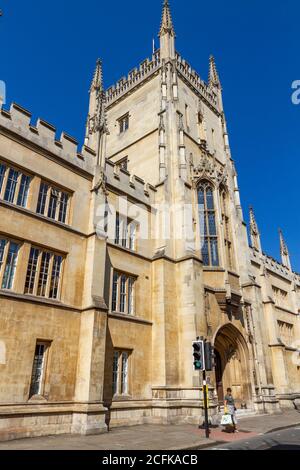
167	33
213	76
284	252
166	21
254	232
96	121
97	82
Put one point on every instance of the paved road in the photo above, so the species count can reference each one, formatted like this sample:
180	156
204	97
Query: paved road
159	437
288	439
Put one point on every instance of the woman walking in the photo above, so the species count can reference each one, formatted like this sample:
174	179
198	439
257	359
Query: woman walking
229	404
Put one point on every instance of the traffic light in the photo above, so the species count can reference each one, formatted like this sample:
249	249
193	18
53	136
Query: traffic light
209	356
198	353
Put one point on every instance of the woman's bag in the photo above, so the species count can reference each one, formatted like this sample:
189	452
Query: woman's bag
226	420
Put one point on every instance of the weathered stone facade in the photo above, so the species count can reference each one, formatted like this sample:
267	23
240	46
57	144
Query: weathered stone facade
115	324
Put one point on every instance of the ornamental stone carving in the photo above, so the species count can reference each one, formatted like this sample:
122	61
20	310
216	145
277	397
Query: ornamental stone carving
211	169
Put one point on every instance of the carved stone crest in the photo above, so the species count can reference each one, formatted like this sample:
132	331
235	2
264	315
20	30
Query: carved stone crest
101	183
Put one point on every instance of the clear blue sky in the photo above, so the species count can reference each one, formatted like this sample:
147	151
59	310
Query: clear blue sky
48	54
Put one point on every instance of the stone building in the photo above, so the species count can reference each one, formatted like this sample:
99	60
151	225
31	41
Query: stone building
114	259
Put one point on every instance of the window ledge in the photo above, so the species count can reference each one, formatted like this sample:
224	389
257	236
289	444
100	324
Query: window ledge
123	397
35	299
37	399
31	213
127	250
233	273
213	269
128	317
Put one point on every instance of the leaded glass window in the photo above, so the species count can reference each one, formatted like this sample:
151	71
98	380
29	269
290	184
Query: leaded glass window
124	123
120	373
115	372
115	292
10	263
44	272
207	222
2	174
124	374
42	198
23	191
43	276
31	270
55	276
14	185
123	289
38	369
125	233
63	207
11	185
123	293
53	203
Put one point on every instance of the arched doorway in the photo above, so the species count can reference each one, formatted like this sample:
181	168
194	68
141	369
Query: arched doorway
232	364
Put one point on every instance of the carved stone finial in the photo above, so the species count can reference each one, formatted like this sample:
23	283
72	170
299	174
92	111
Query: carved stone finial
213	76
284	252
166	21
209	168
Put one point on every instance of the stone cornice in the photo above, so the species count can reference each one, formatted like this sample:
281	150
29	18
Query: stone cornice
286	310
160	257
129	252
49	302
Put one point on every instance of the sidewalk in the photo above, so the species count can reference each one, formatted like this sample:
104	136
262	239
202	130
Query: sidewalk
157	437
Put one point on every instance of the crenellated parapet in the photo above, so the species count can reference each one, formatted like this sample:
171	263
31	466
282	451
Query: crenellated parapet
129	185
149	67
196	82
271	264
146	69
43	135
275	266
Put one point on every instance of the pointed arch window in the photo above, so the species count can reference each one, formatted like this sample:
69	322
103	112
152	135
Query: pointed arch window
208	228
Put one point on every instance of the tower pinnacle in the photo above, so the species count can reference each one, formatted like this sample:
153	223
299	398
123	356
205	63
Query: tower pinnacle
166	21
96	120
213	76
97	82
254	232
167	33
284	252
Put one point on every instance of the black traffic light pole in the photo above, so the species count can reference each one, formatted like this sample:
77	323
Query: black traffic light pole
203	361
205	406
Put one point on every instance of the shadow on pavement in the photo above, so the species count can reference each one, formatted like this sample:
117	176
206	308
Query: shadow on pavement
285	447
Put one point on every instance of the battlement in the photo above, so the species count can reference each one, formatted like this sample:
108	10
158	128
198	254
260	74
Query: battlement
18	121
270	263
297	278
135	77
275	266
194	79
128	184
